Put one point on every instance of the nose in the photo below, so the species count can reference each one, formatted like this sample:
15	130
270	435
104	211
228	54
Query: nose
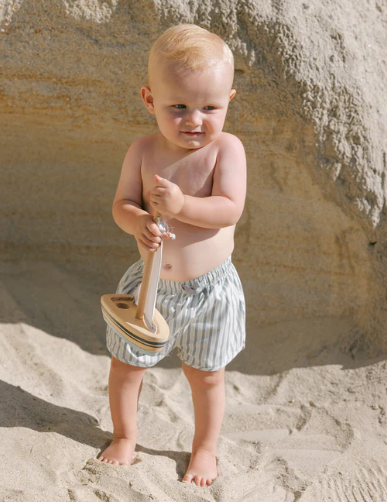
194	118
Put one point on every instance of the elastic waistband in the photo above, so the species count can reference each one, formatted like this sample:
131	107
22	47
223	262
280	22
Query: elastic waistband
196	285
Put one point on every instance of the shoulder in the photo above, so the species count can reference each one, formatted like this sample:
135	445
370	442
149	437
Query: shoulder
134	156
227	141
230	146
143	144
231	158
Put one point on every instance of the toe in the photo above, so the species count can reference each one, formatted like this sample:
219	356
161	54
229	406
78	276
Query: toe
202	482
197	480
187	478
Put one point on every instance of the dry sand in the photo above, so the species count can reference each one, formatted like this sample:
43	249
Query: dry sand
300	425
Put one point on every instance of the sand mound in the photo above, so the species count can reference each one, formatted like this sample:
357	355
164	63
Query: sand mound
314	431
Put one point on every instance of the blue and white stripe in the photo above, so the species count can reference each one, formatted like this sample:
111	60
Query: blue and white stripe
206	318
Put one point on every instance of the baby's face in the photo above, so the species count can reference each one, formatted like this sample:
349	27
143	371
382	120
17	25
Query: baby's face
190	109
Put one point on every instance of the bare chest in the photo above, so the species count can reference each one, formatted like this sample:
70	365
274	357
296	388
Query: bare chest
193	173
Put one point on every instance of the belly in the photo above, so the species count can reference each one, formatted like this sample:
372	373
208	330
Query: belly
194	252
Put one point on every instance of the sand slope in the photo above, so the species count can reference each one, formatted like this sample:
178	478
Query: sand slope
315	431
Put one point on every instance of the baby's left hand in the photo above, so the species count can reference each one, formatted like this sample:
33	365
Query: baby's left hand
166	197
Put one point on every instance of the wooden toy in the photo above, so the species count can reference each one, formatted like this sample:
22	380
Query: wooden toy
142	325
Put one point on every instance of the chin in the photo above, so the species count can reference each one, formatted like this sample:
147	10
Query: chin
198	142
191	144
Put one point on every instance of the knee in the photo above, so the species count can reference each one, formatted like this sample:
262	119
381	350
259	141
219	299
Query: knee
203	379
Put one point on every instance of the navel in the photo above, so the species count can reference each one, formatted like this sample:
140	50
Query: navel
168	266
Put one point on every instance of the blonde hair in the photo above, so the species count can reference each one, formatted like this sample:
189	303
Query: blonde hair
189	48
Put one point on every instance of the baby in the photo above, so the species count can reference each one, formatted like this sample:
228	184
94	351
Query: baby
194	175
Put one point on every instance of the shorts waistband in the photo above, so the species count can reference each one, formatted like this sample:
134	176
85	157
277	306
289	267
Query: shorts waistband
194	286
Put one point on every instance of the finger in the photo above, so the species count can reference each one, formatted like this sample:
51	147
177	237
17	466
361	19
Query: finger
153	228
161	181
144	246
152	237
159	191
148	242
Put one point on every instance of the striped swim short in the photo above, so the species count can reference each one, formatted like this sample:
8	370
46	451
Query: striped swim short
206	318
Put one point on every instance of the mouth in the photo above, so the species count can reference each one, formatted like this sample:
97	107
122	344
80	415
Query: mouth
192	134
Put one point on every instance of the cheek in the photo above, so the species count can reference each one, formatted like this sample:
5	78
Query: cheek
172	120
176	121
216	122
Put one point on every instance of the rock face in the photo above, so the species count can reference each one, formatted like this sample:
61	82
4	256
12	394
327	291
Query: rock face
310	109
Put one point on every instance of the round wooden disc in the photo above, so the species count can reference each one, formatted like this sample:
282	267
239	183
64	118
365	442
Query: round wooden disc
119	312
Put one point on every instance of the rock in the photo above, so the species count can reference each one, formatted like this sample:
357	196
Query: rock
310	109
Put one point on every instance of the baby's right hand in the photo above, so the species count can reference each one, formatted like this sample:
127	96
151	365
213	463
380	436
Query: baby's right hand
147	233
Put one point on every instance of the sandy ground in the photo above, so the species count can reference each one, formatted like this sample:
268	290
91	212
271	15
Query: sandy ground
303	421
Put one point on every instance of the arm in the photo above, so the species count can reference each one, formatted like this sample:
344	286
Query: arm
127	204
225	205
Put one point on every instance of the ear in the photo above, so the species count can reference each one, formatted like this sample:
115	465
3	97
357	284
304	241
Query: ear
232	93
147	97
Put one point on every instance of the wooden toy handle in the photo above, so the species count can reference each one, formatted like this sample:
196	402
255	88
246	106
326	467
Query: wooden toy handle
146	279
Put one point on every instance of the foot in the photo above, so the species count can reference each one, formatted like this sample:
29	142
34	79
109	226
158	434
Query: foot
120	452
202	468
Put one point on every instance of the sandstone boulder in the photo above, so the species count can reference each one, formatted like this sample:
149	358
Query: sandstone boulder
310	109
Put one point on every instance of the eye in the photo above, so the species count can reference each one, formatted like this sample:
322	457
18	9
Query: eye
209	107
179	107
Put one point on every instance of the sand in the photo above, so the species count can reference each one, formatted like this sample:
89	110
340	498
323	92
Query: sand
306	407
312	428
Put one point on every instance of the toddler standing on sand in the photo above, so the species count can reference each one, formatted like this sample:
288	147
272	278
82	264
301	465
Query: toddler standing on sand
195	176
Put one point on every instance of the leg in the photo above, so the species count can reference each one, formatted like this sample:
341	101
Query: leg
208	396
125	382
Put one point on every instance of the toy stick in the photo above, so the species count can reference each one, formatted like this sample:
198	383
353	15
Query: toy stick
128	320
146	278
